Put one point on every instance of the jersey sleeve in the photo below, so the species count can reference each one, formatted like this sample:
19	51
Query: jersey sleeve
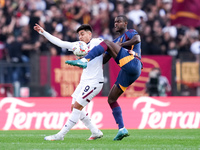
94	42
57	41
131	33
98	41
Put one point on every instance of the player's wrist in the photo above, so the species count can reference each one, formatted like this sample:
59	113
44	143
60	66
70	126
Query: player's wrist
42	32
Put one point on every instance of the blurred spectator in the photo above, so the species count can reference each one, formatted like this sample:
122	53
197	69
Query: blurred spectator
37	5
36	17
182	41
135	13
157	85
172	49
120	8
13	48
106	35
105	5
195	47
2	51
146	40
171	29
191	32
28	45
53	51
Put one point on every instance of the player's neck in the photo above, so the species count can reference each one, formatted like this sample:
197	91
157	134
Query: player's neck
123	31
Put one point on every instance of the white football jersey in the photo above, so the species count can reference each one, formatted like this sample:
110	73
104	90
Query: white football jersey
91	77
94	68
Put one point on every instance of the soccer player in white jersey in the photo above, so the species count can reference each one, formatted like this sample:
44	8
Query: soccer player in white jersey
90	85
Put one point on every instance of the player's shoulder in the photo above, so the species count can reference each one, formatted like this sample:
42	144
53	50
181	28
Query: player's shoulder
96	40
131	30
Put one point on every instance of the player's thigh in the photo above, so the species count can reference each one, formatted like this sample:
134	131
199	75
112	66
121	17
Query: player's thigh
76	92
88	92
113	48
125	79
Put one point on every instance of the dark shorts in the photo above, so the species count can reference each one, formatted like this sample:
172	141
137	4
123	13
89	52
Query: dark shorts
130	69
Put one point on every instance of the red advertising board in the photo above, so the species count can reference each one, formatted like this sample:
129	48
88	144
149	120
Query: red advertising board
139	113
149	62
65	78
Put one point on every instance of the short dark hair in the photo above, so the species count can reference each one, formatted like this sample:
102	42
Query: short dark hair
85	27
124	18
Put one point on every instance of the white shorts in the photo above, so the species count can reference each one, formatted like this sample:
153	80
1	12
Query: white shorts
85	91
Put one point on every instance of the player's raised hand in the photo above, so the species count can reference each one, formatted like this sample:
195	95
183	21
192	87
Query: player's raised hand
38	28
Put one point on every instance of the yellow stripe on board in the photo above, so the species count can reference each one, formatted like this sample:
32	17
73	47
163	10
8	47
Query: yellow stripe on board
141	78
143	85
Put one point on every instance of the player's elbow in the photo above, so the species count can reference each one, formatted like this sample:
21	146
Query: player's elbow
138	39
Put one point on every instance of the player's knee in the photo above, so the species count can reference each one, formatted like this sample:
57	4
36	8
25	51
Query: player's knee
78	106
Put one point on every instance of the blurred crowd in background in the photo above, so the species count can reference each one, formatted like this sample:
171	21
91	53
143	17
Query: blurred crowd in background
61	18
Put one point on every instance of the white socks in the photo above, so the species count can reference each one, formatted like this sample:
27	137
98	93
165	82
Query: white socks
87	122
72	120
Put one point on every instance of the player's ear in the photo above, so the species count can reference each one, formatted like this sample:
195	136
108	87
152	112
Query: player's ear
90	33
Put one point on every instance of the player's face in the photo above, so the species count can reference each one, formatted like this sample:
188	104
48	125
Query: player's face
120	25
84	36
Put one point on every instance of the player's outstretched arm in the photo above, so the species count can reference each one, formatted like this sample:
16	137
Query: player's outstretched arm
53	39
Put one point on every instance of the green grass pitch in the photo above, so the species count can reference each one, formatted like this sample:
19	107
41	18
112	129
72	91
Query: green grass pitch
154	139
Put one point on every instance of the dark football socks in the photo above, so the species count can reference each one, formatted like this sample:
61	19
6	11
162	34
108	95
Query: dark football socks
117	113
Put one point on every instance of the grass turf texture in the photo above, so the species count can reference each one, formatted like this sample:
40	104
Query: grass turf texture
157	139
